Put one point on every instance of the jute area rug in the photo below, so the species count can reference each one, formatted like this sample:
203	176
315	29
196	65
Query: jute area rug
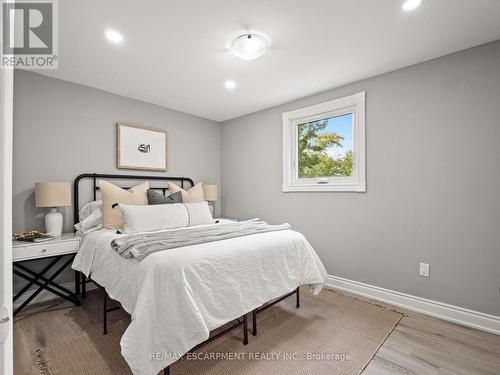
329	334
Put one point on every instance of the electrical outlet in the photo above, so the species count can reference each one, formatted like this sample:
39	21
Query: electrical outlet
424	270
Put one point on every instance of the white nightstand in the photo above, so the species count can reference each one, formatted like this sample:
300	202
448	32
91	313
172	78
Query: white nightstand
65	246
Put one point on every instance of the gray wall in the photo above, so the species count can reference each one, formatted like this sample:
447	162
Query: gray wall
433	181
433	176
62	129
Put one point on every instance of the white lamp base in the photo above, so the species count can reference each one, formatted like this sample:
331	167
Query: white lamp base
54	223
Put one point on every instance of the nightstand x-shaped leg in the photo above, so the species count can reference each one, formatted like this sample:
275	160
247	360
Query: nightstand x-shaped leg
48	283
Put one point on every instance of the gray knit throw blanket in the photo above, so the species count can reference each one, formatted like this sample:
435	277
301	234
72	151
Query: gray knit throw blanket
141	245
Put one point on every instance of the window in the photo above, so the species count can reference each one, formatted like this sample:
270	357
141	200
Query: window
324	146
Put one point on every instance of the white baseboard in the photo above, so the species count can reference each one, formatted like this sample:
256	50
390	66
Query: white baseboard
46	295
460	315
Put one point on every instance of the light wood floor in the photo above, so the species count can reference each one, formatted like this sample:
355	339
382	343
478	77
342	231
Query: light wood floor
418	345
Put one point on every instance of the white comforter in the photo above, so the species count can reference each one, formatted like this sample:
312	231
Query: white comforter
176	297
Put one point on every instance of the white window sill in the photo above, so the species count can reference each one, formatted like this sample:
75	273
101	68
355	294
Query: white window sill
361	188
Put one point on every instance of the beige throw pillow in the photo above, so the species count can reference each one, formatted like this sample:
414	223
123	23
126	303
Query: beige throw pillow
111	194
193	195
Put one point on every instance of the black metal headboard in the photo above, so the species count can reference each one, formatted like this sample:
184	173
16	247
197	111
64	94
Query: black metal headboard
95	176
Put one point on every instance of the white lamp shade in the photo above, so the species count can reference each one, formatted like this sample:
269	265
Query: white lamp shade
52	194
210	192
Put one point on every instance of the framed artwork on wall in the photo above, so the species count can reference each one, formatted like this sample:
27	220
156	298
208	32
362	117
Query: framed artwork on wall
139	147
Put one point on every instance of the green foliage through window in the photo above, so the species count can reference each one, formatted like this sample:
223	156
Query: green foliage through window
322	151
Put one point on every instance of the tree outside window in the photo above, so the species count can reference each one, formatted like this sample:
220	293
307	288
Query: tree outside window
325	147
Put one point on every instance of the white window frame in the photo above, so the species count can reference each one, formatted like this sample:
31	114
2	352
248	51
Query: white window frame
354	104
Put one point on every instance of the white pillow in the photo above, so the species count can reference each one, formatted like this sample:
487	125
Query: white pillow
91	222
89	208
90	217
199	213
144	218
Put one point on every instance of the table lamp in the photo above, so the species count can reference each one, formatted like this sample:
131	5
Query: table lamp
211	195
53	195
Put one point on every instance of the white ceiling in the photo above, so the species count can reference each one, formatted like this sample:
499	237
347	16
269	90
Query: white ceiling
175	53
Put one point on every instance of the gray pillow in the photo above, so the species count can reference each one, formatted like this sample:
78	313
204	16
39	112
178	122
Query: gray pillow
155	197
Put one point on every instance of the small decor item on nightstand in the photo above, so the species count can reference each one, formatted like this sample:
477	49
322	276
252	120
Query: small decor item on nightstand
211	195
32	236
53	194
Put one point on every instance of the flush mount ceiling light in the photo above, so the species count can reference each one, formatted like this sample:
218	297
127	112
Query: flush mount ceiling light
249	46
113	36
410	5
230	84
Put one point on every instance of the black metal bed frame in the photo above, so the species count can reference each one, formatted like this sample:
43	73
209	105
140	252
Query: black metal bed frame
238	322
95	176
242	321
263	308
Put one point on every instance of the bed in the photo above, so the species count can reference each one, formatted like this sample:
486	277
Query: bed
178	296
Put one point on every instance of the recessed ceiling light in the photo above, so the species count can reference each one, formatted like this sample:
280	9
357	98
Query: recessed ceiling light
230	85
409	5
249	46
113	36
